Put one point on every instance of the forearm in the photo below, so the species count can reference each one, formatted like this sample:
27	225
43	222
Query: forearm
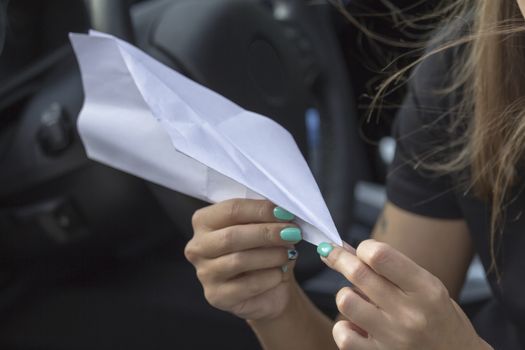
302	326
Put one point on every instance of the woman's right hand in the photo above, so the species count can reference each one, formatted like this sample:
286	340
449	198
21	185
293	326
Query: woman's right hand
241	251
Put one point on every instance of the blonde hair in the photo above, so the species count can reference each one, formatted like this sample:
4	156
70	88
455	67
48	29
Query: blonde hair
490	74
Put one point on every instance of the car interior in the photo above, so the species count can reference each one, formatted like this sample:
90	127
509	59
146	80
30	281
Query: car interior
93	257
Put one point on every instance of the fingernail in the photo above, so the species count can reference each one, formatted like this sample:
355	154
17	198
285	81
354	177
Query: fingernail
324	249
282	214
291	234
292	254
284	268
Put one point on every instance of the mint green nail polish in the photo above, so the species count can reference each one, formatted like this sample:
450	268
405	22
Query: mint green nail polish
282	214
324	249
291	234
284	268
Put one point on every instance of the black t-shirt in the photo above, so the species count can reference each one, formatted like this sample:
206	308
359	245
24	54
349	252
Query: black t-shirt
420	129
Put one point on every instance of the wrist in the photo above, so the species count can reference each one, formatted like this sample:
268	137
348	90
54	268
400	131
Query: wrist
295	304
299	326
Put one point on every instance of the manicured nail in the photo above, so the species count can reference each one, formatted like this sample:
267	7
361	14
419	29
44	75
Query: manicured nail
292	254
291	234
284	268
324	249
282	214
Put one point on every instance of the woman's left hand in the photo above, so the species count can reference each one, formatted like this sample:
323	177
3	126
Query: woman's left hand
404	307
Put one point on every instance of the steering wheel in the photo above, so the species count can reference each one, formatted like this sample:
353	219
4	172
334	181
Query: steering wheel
280	58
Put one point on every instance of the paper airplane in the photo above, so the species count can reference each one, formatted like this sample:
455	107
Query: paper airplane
146	119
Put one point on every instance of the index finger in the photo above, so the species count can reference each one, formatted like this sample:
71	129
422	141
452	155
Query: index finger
378	289
393	265
238	212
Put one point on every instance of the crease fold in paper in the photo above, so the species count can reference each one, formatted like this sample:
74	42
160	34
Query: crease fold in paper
146	119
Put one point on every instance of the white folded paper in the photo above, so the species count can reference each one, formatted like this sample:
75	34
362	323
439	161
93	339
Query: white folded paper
146	119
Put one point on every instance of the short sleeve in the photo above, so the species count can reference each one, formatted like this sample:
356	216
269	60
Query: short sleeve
422	137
